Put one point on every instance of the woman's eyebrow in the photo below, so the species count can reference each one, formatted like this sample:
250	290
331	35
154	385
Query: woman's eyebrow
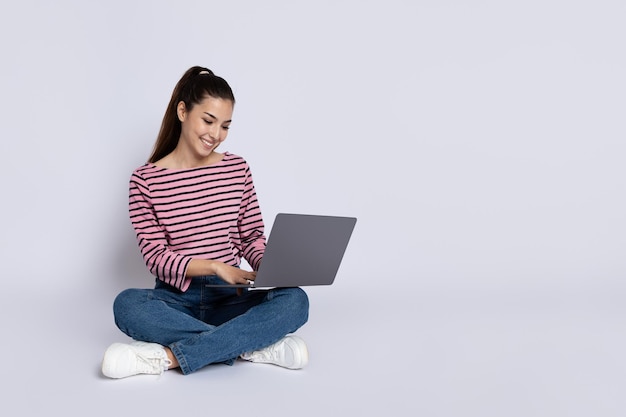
210	115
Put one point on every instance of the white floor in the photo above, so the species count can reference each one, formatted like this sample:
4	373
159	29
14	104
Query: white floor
399	352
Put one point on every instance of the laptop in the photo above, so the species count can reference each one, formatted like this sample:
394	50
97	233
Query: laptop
302	250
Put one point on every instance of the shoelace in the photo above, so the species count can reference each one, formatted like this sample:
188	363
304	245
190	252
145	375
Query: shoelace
268	354
155	362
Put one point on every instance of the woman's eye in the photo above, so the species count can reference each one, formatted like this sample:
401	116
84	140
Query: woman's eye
209	122
226	127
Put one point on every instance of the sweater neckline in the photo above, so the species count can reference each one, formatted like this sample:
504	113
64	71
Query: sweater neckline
226	156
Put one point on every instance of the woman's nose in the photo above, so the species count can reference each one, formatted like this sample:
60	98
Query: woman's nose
214	131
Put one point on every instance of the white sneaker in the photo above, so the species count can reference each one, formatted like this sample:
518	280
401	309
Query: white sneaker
289	352
122	360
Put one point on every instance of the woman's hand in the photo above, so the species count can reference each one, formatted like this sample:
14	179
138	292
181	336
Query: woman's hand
230	274
233	275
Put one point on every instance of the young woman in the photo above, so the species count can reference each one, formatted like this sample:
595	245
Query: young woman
196	215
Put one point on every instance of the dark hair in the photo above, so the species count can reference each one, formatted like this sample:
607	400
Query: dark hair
191	89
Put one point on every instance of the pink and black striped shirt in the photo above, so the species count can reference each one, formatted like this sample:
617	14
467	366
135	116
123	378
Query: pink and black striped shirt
209	212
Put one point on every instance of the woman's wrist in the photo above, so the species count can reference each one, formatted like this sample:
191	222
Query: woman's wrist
203	267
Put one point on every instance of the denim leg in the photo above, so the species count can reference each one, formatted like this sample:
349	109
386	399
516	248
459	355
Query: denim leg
282	311
203	327
153	315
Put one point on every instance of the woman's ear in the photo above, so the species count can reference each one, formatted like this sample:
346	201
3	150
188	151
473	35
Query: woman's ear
181	111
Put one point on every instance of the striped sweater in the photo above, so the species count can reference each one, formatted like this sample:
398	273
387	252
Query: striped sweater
208	212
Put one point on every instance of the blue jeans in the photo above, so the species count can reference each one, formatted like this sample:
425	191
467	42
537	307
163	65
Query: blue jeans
206	325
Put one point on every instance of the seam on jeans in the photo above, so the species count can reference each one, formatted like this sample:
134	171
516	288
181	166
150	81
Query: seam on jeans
182	361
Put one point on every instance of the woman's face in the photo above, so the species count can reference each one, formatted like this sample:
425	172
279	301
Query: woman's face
205	126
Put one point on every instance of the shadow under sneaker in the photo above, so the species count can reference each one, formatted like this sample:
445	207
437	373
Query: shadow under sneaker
122	360
289	352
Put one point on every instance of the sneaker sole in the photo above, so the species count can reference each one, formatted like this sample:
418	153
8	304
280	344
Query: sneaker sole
107	368
301	357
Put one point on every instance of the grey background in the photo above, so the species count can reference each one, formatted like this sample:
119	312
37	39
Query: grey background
480	144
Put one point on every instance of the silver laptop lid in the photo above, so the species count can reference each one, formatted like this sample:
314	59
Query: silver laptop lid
304	250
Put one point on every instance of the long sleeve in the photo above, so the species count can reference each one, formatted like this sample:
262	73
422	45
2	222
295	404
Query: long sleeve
162	262
251	227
